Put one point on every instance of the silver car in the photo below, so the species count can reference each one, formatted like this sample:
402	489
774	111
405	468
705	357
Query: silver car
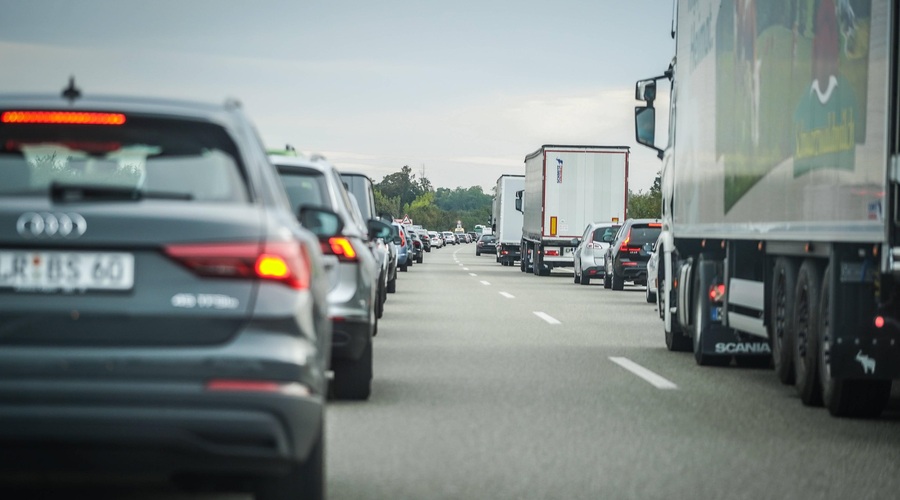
590	252
353	272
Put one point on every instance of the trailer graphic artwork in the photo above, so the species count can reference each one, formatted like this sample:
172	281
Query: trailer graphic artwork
818	50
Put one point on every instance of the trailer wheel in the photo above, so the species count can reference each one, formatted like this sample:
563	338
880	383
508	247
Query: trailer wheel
536	260
781	333
845	398
806	323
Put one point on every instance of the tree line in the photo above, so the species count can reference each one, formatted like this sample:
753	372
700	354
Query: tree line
403	194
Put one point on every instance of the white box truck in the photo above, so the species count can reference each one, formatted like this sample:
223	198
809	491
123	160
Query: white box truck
566	188
506	220
781	193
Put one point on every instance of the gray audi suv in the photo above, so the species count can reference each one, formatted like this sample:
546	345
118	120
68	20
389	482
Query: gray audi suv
162	311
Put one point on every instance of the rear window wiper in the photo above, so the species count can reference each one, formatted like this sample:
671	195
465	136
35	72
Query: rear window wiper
88	192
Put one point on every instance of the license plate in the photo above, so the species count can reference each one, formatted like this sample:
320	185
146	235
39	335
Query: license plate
49	271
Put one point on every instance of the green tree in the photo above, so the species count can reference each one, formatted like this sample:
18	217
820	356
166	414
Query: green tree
646	205
401	185
385	205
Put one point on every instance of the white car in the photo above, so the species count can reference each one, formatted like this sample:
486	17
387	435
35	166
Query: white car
588	258
449	238
653	274
437	241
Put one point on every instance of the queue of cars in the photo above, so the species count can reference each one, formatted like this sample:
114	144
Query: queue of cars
614	252
174	299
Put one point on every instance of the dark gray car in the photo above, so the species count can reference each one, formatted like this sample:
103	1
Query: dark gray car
161	309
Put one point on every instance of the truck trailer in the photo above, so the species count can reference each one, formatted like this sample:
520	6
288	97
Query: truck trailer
781	193
506	220
566	188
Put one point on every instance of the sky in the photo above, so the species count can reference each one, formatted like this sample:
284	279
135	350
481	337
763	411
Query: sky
459	90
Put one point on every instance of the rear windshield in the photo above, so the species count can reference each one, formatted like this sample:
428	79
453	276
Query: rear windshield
179	159
641	235
304	188
605	232
487	239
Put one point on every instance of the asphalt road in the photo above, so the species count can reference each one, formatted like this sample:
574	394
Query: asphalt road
493	384
477	396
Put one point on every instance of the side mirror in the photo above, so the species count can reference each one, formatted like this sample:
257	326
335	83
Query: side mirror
379	229
320	221
575	242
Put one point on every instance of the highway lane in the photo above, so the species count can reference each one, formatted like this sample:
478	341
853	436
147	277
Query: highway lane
477	397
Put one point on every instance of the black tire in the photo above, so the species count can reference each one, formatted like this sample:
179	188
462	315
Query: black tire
392	285
353	378
845	398
420	258
477	253
306	480
805	323
618	281
403	268
576	278
781	333
536	261
607	280
676	340
649	296
585	280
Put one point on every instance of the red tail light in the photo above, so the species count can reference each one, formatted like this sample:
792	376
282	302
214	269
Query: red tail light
717	293
552	253
285	262
62	117
341	247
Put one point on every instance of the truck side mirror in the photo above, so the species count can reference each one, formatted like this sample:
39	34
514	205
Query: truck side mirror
645	127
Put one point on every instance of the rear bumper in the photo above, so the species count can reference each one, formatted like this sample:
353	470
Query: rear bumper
154	429
636	273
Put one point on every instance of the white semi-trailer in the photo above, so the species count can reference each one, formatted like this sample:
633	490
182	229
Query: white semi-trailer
506	220
781	193
567	188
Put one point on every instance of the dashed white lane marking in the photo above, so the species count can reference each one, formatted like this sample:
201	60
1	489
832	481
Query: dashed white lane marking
465	269
472	274
485	283
656	380
508	295
546	317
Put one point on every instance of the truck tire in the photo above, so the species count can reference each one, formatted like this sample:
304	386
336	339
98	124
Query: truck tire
353	377
536	260
805	325
700	320
306	480
781	333
845	398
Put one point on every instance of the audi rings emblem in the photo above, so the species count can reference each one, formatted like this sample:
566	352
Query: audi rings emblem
51	225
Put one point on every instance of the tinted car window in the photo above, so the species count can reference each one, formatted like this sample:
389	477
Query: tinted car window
488	239
608	232
643	235
304	187
361	187
175	159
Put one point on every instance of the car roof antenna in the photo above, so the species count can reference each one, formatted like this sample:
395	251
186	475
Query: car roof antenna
71	92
